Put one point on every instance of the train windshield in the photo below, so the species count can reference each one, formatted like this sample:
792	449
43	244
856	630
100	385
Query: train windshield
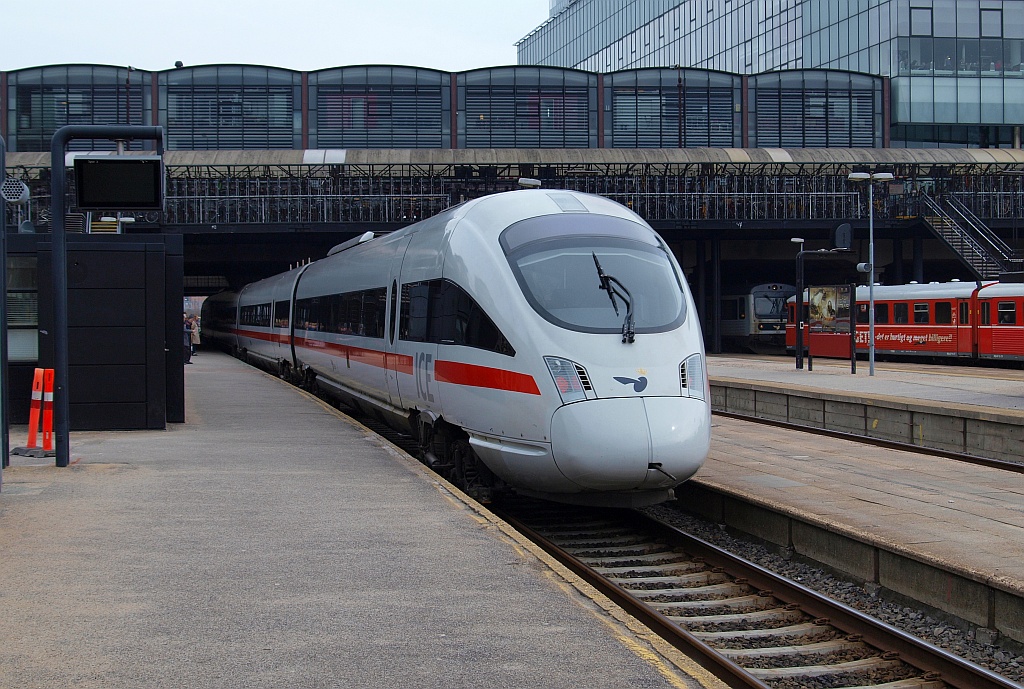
768	305
556	271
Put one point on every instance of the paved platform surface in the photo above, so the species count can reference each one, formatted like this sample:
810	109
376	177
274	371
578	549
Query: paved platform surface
967	517
267	542
1000	388
957	517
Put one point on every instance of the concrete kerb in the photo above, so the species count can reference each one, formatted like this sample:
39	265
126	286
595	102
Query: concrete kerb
963	428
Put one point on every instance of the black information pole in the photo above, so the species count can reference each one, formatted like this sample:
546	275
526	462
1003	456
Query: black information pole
61	408
5	444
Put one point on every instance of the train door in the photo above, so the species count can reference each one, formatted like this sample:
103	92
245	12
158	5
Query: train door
395	363
293	358
966	330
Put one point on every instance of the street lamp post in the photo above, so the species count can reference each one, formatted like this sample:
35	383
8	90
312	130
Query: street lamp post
871	178
798	349
128	95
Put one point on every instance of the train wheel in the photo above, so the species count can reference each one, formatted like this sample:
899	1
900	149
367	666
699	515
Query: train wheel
434	449
470	474
308	380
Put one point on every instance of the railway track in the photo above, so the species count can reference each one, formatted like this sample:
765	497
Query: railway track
747	625
636	561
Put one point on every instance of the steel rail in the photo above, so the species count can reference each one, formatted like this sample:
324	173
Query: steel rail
935	663
721	667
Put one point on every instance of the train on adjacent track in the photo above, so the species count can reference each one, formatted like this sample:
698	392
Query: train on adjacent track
753	318
962	321
538	341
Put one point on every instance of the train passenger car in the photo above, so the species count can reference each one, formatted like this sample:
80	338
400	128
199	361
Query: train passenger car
999	333
218	321
264	320
541	341
754	319
953	320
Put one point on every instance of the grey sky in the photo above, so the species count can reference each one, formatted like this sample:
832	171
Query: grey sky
451	35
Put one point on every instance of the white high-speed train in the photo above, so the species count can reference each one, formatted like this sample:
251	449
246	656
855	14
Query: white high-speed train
542	341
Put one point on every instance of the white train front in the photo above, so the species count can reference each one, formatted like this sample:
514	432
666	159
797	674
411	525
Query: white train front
538	340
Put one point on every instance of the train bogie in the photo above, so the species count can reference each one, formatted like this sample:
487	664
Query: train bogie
542	341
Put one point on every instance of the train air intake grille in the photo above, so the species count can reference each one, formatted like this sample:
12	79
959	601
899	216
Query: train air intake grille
584	378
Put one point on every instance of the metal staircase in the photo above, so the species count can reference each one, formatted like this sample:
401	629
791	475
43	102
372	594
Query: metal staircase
977	245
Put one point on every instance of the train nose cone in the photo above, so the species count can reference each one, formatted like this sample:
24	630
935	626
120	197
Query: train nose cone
611	444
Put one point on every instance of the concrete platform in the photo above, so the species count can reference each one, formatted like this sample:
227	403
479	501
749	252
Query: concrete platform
941	532
971	410
269	542
995	388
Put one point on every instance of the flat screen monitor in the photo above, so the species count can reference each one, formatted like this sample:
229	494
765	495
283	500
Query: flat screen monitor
116	183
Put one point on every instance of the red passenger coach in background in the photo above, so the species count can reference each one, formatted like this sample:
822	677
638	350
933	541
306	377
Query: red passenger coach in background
960	320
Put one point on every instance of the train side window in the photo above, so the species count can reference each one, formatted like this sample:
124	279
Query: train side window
1007	313
415	308
921	313
900	313
965	313
307	314
371	318
862	313
281	314
881	313
257	315
943	313
986	313
456	318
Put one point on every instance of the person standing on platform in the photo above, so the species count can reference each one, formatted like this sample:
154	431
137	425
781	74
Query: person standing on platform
188	339
194	334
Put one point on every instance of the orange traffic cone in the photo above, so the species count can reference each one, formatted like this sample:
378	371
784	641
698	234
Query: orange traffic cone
42	401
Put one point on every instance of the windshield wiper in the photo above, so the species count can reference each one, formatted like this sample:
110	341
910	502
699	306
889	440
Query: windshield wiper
611	285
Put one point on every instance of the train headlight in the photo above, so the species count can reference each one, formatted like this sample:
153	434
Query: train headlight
692	378
567	379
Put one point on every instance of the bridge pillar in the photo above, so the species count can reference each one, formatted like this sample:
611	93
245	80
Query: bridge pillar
918	259
897	261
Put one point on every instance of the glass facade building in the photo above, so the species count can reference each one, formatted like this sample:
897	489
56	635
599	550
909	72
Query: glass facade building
954	65
251	107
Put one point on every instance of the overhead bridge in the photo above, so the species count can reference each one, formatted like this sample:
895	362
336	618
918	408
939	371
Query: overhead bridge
247	214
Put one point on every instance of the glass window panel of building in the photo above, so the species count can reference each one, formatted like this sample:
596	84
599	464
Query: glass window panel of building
230	107
672	108
379	107
41	100
527	107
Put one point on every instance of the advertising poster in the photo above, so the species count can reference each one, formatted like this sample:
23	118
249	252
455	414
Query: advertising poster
829	309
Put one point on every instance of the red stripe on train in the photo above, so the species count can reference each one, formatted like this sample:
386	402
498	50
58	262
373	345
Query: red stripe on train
484	377
266	337
444	371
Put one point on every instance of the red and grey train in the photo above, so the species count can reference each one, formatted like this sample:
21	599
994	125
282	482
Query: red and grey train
540	341
966	321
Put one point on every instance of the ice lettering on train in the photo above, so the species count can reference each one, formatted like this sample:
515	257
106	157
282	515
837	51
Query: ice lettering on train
424	365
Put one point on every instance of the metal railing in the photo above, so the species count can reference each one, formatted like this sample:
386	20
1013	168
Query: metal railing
961	240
